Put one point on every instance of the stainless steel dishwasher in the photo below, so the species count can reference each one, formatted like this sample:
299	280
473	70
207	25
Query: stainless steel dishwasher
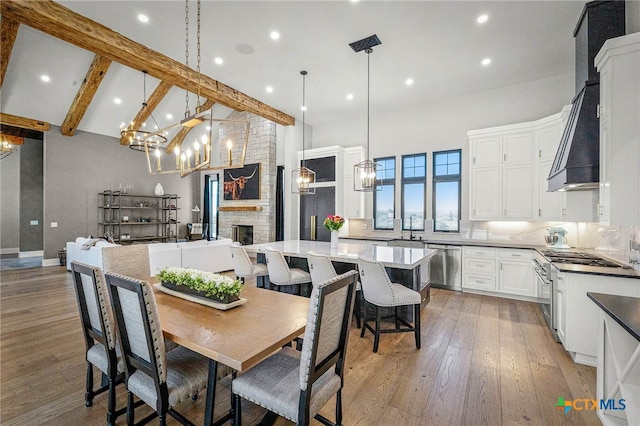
446	266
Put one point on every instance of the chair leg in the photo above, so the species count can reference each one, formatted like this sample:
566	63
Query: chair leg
416	323
395	315
364	318
339	408
237	411
130	407
88	396
111	402
358	309
376	340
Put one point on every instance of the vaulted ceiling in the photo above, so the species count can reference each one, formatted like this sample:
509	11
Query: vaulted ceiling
437	44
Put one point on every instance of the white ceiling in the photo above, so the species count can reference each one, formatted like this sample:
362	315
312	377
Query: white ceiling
438	44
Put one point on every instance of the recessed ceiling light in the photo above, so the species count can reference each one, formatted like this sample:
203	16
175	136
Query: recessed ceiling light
218	60
275	35
143	18
269	89
408	81
482	19
117	101
350	96
45	78
169	116
486	61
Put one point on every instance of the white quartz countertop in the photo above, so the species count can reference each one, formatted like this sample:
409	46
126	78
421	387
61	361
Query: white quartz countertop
392	257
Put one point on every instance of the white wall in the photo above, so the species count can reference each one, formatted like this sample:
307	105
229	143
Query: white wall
10	203
443	125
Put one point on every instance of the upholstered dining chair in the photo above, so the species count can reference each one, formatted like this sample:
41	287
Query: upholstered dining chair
378	290
131	260
279	272
160	379
245	268
321	269
99	335
296	385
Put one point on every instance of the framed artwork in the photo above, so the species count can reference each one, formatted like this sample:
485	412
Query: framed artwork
242	183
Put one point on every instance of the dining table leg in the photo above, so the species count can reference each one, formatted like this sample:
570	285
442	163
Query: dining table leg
212	382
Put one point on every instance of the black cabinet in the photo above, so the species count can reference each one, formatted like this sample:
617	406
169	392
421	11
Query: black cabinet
317	206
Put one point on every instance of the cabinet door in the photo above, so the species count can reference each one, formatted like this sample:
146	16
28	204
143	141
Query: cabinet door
517	148
560	306
516	277
353	206
485	151
604	211
548	141
320	205
485	193
517	191
479	282
550	204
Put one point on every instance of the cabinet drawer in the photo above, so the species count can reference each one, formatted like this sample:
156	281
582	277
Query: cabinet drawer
480	282
516	254
479	266
479	252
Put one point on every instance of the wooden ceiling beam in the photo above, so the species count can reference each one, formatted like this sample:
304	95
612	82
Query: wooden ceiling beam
23	123
184	131
86	92
154	100
8	34
56	20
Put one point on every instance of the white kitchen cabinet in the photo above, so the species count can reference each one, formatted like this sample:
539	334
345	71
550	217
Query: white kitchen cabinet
517	147
479	268
551	205
354	201
486	201
516	275
560	307
619	65
485	151
517	193
580	319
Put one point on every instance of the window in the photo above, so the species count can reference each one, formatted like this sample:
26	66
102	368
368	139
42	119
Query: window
414	179
385	194
446	191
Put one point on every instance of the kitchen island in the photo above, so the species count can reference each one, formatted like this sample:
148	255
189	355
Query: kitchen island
403	264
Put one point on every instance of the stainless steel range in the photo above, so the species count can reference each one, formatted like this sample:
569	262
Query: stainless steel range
546	274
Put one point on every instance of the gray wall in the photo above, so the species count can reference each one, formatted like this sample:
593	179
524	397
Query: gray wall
31	196
632	9
78	168
10	203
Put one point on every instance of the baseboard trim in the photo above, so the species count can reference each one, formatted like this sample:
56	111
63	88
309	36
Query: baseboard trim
10	250
51	262
34	253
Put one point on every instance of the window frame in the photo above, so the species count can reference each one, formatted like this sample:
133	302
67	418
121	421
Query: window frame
413	180
443	179
375	192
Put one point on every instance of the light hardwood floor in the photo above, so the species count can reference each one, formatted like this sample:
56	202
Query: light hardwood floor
484	361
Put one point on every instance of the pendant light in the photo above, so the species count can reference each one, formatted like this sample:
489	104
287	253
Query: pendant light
365	172
302	178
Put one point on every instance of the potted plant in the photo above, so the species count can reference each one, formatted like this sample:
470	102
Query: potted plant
200	283
333	223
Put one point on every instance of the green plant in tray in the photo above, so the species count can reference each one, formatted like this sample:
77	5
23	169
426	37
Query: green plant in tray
209	283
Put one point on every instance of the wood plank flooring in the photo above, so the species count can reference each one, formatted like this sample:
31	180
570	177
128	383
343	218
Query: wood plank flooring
484	361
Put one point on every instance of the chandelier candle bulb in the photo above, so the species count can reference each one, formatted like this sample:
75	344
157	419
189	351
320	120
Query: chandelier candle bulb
177	152
158	154
188	158
196	149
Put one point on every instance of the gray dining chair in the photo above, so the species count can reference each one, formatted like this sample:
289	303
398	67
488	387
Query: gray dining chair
160	379
279	272
321	269
99	335
296	385
245	268
378	290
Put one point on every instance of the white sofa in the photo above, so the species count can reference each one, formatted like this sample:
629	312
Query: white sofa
211	256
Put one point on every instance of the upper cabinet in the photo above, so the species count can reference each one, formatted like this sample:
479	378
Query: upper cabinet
509	166
619	65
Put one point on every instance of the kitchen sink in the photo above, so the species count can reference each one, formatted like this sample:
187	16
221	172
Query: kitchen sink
406	243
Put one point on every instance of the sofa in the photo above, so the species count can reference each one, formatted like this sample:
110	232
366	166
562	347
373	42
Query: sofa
211	256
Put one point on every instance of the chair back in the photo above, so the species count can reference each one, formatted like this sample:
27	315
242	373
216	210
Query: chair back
130	261
93	304
241	262
327	331
279	272
139	330
320	267
376	285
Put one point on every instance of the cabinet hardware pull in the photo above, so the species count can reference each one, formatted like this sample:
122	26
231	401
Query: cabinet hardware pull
539	153
539	212
504	157
313	228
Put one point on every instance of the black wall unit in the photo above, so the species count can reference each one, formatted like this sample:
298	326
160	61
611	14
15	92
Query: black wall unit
325	168
320	205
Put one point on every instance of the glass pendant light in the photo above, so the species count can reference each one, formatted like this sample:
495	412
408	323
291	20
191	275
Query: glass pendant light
303	177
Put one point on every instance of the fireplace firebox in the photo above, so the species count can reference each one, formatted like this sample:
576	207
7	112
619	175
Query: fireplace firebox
242	234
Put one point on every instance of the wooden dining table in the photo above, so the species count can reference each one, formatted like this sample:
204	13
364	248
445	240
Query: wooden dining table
239	337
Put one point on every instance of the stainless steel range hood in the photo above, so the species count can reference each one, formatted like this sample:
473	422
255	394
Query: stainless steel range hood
576	165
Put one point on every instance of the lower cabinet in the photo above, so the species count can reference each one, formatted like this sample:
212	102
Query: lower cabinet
560	307
500	271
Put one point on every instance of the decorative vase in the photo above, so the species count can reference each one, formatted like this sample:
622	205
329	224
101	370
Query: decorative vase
159	191
184	289
334	239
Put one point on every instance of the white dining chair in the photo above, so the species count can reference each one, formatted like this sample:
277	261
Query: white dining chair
378	290
281	274
245	268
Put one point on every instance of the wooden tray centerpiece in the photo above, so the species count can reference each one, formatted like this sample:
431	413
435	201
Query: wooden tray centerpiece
208	285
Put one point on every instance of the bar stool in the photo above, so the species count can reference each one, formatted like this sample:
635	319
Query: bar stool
245	268
279	272
378	290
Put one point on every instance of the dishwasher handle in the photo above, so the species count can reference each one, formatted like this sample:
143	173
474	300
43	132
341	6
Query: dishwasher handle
443	247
